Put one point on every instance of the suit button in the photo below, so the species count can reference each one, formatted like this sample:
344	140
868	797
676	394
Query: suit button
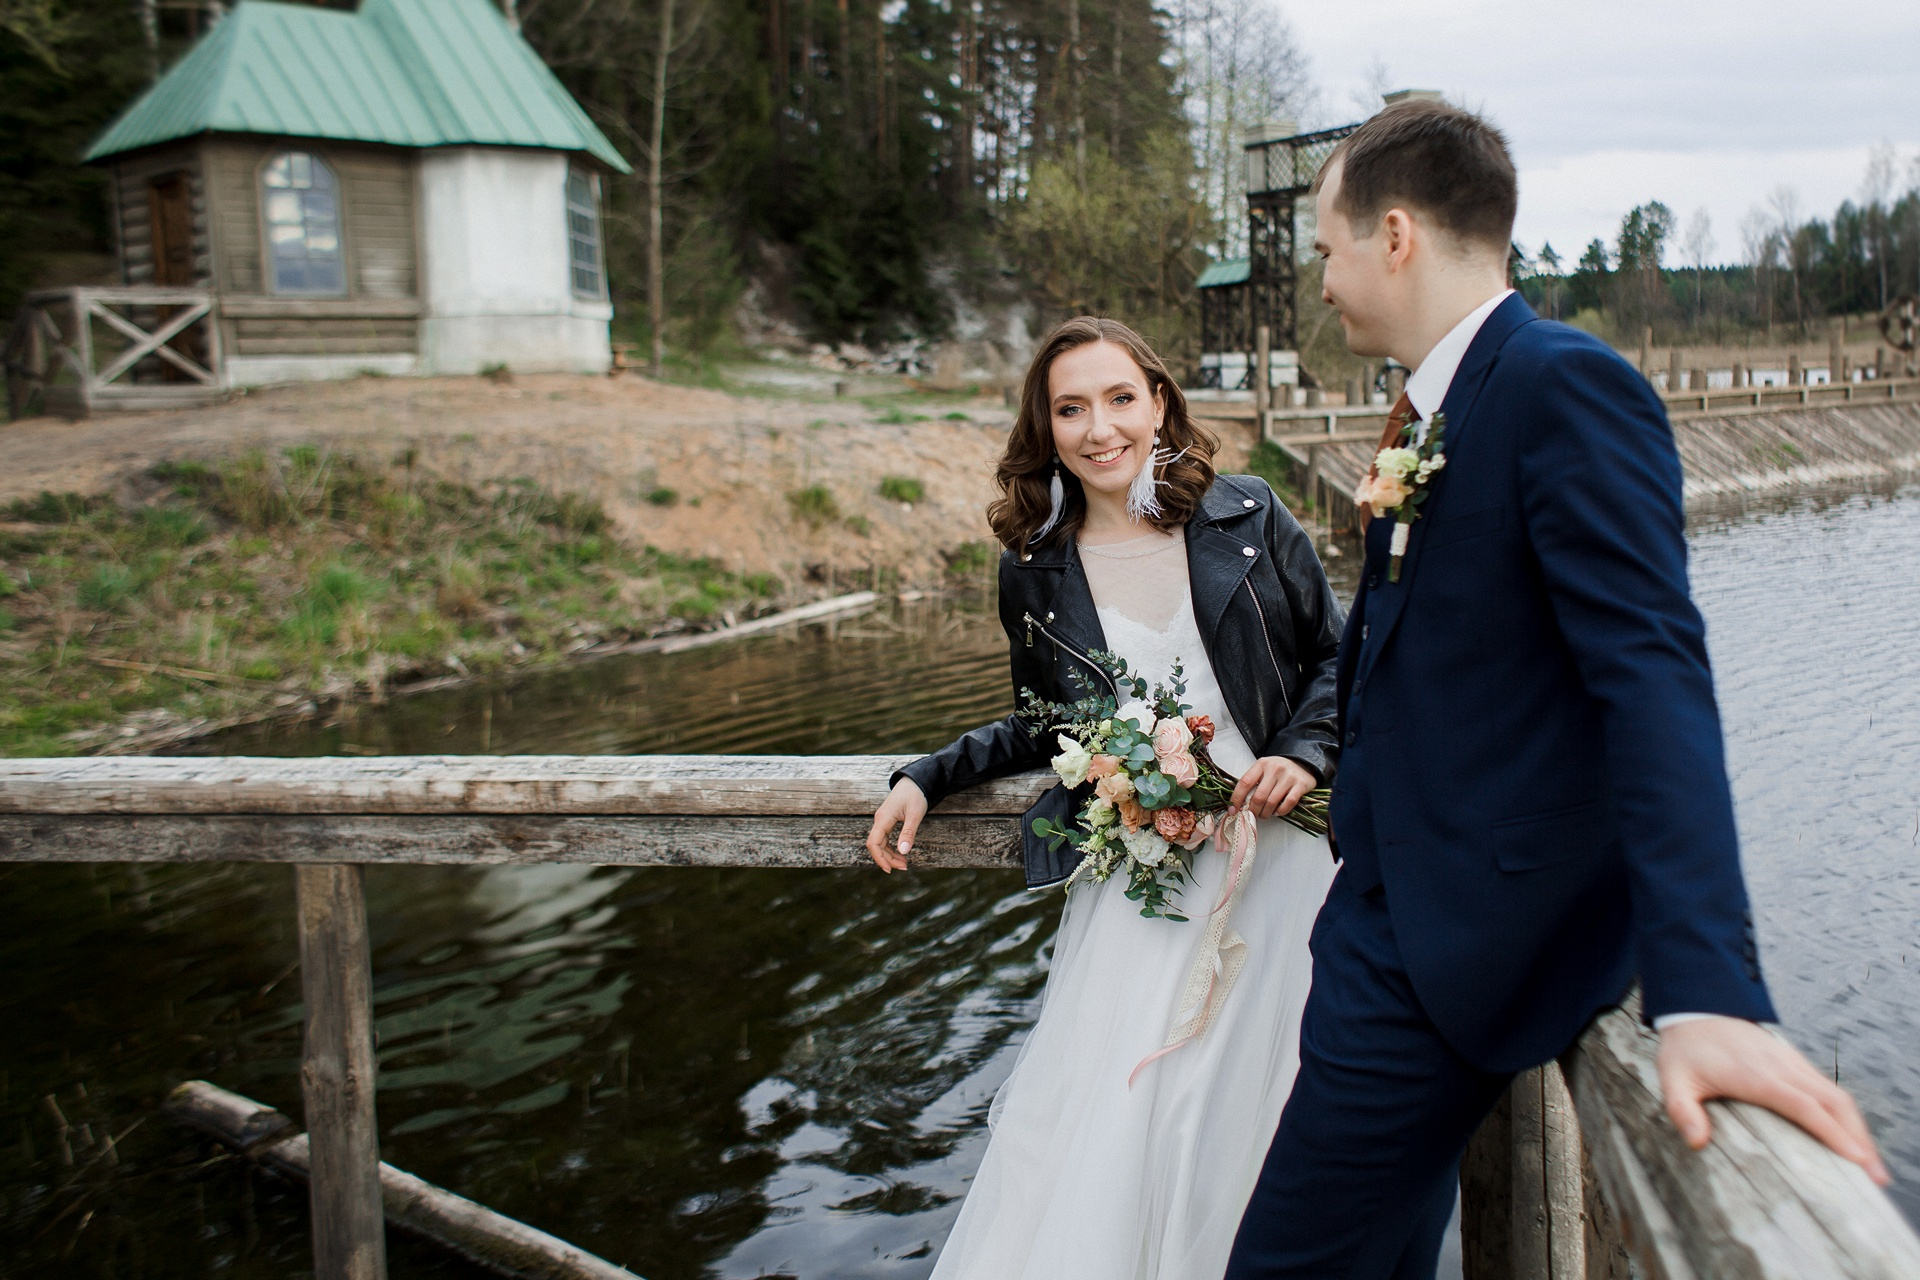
1373	580
1364	630
1352	735
1248	551
1247	503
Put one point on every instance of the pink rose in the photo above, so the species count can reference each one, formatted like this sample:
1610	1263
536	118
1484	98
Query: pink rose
1202	727
1103	767
1113	787
1171	736
1181	767
1382	493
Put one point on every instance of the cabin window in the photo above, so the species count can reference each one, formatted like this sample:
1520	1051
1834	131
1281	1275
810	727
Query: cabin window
583	233
301	202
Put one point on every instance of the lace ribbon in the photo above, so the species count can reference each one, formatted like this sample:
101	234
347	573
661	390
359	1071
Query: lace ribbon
1223	953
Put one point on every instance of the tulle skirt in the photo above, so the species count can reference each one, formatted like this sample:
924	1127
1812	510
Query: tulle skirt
1086	1179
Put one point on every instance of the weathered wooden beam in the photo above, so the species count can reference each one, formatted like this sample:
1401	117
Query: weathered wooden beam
665	841
710	786
1763	1201
337	1072
495	1241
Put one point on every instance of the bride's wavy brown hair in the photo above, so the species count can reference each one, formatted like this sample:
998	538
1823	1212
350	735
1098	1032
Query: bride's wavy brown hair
1027	464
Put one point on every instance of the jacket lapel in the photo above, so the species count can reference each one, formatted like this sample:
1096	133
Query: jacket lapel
1217	561
1384	607
1069	612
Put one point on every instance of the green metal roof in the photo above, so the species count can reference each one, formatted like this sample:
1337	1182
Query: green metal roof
1232	271
412	73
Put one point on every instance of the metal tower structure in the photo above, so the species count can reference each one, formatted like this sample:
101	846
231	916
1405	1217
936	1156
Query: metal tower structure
1280	170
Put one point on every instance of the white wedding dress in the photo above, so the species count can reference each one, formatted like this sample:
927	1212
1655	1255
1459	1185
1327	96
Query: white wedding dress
1085	1178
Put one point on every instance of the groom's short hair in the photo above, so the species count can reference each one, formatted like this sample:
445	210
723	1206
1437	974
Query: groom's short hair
1436	159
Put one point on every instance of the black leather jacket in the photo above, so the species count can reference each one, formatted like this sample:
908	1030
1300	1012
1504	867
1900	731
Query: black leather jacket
1268	619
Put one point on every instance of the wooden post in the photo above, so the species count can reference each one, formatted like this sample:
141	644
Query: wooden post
1313	476
1486	1197
1835	357
1795	374
1675	375
1879	363
1262	373
1549	1237
1697	384
1532	1259
1739	375
337	1073
1646	352
1356	391
1565	1190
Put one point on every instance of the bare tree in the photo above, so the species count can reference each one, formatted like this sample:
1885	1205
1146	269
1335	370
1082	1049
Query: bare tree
1762	243
1240	65
1785	206
1876	188
1697	243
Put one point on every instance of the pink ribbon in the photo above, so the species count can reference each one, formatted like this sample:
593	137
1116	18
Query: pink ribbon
1222	953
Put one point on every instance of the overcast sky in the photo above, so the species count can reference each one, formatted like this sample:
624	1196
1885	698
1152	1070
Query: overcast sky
1697	103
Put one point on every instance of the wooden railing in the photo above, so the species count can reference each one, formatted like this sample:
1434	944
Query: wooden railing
1547	1197
55	354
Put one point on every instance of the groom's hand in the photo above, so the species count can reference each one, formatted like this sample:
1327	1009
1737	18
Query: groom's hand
1271	787
1732	1058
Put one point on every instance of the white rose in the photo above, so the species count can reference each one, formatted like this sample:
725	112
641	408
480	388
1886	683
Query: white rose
1146	846
1398	463
1138	712
1071	764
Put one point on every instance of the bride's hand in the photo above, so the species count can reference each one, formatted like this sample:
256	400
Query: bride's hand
1271	787
904	806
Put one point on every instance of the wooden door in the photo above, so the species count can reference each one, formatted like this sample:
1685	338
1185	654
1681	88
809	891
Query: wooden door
170	209
170	214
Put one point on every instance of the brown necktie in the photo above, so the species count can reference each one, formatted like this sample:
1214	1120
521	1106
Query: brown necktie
1397	419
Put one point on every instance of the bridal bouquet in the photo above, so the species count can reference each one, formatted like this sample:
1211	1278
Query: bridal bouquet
1157	793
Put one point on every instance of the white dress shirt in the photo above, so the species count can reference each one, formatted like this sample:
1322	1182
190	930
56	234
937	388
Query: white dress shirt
1427	389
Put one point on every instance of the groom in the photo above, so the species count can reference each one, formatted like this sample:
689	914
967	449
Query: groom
1532	807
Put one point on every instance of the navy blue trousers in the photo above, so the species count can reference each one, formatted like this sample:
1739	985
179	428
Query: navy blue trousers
1360	1181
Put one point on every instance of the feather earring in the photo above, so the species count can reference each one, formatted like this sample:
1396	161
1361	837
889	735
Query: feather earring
1057	491
1143	495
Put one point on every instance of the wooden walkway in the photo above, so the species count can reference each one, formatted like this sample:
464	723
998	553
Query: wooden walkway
1579	1170
1746	441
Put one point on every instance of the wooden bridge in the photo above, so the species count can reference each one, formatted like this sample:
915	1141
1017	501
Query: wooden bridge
1577	1172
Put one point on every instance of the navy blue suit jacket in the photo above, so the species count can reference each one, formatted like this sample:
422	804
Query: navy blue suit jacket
1532	762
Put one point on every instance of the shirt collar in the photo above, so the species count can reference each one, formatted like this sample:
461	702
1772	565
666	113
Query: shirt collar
1427	386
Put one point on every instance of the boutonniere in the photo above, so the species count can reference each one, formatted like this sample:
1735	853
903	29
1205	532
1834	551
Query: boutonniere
1397	483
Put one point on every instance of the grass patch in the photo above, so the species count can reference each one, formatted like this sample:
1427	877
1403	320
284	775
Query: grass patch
663	496
902	489
1271	463
309	570
814	505
972	559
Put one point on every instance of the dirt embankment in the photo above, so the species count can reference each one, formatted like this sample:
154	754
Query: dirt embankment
692	472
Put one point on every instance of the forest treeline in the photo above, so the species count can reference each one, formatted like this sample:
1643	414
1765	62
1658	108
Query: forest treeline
867	168
1794	273
862	162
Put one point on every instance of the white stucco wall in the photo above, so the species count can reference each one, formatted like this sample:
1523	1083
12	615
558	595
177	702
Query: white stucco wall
494	275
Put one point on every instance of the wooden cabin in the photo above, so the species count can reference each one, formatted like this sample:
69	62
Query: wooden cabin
405	189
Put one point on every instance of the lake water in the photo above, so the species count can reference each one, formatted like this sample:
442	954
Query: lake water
738	1074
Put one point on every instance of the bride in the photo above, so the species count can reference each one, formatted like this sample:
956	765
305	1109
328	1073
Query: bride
1120	537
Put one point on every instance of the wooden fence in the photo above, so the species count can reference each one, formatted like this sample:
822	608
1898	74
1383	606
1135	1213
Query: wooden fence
80	349
1576	1172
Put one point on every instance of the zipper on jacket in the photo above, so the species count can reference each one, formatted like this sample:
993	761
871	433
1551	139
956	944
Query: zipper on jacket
1085	660
1267	637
